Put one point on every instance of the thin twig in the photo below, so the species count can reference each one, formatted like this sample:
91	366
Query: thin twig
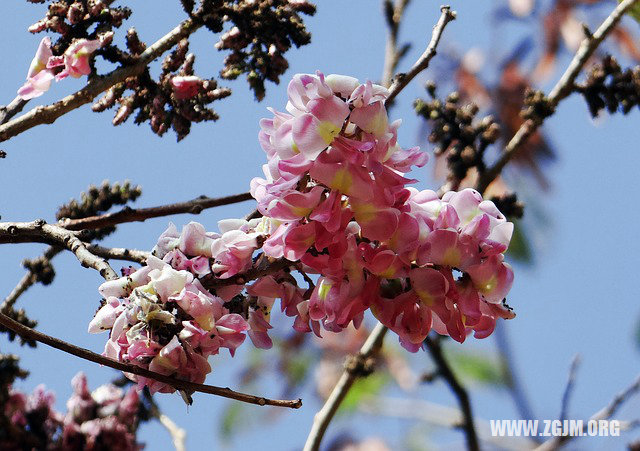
29	333
445	371
13	108
127	214
355	367
49	114
603	414
561	90
510	376
402	80
119	253
27	280
40	232
568	390
394	11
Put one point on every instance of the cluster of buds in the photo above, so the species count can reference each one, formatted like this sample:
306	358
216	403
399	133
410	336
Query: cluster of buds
456	133
334	203
175	100
71	19
608	86
106	418
262	32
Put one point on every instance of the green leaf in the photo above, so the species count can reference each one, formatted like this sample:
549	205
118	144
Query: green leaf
634	11
363	388
476	367
231	420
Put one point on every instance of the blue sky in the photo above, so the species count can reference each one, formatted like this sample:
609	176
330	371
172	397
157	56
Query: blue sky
581	296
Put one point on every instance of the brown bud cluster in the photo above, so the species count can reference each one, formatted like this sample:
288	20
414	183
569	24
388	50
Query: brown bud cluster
456	133
157	102
536	106
608	86
97	200
509	205
79	19
259	34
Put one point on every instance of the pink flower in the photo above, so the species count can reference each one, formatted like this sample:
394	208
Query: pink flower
75	61
186	87
39	78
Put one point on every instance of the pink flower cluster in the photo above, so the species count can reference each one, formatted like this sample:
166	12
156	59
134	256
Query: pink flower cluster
106	418
336	197
335	204
74	62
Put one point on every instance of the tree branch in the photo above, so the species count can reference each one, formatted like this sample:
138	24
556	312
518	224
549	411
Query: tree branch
445	371
402	80
27	280
568	390
127	214
603	414
119	253
40	232
27	332
358	365
561	90
13	108
48	114
393	13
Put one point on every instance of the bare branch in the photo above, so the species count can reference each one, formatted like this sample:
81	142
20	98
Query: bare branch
568	390
358	365
13	108
445	371
49	114
119	253
127	214
394	11
603	414
402	80
27	332
561	90
40	232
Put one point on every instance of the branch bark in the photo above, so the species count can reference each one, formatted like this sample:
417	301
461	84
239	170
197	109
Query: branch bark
127	214
358	364
445	371
40	232
560	91
48	114
402	80
394	12
27	332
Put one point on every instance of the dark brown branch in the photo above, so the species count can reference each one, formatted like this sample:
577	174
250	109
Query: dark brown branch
40	232
402	80
28	333
445	371
264	266
48	114
561	90
194	206
359	365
